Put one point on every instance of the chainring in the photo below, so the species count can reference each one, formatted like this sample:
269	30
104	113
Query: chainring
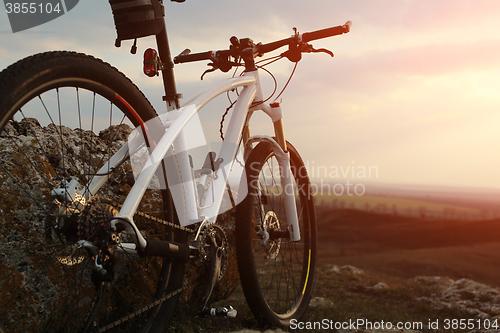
212	235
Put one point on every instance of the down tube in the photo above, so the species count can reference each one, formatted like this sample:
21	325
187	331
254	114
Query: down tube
180	118
229	149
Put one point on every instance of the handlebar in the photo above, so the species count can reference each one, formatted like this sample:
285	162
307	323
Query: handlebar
192	57
259	49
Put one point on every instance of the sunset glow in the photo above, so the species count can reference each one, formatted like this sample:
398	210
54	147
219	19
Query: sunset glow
413	89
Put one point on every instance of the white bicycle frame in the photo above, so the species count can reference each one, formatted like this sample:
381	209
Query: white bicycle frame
174	137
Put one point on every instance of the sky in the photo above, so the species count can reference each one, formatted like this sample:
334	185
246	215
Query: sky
412	95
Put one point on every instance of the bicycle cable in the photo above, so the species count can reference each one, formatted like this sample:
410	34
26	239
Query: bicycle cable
287	82
224	117
274	79
253	104
270	61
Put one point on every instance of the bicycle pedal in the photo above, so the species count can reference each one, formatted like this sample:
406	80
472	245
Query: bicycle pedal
226	312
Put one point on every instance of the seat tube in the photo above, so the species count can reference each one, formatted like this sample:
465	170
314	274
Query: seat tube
171	96
172	100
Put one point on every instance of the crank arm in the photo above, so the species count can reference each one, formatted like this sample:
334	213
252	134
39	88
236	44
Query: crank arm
215	265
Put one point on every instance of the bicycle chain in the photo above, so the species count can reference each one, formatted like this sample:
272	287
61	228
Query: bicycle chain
164	298
161	221
148	307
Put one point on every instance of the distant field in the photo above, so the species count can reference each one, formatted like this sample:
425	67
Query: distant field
403	206
408	246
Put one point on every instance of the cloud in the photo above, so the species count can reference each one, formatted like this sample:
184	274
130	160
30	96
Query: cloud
424	16
413	79
434	59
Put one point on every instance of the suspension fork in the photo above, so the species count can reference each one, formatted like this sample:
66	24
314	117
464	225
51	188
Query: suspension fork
279	132
286	174
283	156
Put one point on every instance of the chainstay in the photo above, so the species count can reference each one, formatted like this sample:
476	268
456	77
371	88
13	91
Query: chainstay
149	307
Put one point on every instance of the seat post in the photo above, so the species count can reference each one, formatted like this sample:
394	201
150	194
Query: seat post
167	68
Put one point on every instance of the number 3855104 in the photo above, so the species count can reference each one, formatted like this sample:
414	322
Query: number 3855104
32	8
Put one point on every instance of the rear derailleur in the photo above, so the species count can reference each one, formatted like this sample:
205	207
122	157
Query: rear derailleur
84	224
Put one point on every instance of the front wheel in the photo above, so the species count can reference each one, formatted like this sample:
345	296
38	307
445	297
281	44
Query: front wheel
276	273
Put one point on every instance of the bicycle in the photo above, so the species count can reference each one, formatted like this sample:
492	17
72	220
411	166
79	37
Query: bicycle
86	246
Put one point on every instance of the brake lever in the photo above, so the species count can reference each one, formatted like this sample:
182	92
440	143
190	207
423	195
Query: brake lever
308	48
295	54
213	69
223	64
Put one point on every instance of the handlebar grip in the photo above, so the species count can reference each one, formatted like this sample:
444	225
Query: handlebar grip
192	57
264	48
329	32
348	26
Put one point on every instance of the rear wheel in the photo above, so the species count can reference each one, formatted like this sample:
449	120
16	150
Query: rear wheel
276	274
62	116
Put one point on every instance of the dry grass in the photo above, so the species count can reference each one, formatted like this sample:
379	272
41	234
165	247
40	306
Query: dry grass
353	297
390	249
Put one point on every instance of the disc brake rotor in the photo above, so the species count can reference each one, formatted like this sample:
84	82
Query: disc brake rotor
272	246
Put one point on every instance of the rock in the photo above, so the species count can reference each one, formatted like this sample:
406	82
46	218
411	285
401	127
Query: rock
351	269
346	269
381	285
115	133
335	270
469	289
434	281
317	302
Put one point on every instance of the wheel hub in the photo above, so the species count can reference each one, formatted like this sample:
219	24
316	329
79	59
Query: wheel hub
95	240
270	225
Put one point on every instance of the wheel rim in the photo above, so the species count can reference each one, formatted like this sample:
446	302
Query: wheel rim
46	281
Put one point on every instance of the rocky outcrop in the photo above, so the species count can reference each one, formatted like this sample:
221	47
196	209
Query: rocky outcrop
479	300
33	161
